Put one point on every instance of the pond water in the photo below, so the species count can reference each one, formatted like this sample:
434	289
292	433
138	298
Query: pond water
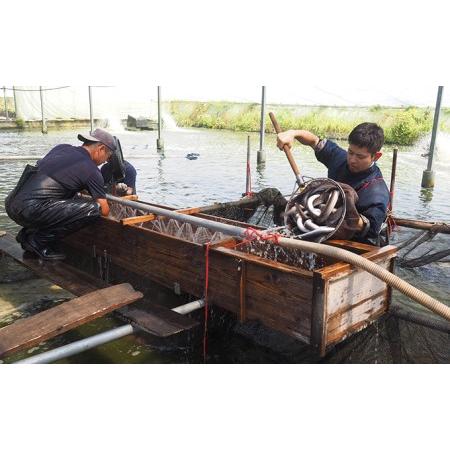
218	174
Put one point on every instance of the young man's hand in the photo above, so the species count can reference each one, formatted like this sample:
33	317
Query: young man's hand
286	138
303	136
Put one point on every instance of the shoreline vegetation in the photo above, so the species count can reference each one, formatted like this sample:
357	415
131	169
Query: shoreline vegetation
402	126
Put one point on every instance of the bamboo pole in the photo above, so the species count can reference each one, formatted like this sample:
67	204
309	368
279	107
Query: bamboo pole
439	227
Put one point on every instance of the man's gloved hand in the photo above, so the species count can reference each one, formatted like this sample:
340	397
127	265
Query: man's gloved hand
352	220
121	189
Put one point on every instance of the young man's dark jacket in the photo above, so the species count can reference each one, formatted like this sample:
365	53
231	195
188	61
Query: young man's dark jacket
370	186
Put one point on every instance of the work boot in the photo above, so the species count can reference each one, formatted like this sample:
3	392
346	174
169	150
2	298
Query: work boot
21	237
47	253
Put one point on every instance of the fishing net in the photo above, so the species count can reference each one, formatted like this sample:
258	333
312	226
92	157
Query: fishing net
264	209
421	250
169	227
290	257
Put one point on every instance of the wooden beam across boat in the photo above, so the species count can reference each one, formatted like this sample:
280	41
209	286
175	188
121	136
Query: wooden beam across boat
25	333
138	219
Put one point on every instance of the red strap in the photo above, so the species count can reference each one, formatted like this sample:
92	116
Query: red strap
368	183
252	234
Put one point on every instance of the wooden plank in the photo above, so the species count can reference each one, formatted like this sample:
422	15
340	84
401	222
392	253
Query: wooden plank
161	258
131	197
274	265
25	333
356	319
242	291
352	289
279	300
355	247
157	320
318	319
138	219
188	211
342	268
354	301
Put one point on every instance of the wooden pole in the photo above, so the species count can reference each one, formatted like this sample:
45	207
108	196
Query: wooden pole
289	156
440	227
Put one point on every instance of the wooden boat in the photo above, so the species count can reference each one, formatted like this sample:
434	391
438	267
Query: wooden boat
319	301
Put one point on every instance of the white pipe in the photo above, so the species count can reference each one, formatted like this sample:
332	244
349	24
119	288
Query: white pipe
79	346
102	338
189	307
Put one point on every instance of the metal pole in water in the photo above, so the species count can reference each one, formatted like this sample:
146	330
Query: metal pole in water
428	175
393	175
159	141
102	338
6	106
15	103
261	156
248	186
91	115
44	125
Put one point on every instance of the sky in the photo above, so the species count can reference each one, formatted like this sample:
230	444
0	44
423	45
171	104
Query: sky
309	94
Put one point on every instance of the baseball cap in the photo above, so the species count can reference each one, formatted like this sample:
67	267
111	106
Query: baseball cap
99	135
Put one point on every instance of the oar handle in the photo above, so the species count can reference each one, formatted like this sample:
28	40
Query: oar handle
287	150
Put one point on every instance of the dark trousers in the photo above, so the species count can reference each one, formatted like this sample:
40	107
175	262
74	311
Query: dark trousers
40	208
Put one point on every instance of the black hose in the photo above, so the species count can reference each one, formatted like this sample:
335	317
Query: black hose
420	319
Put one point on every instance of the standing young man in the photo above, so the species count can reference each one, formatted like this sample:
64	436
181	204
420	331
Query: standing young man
356	167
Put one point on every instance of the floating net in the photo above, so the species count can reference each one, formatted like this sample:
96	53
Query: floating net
264	209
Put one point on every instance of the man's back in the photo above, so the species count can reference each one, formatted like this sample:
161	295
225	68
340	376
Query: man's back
73	168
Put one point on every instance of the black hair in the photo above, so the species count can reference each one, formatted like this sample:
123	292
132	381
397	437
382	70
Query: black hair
369	135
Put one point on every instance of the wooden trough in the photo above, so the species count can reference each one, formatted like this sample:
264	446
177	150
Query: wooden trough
320	306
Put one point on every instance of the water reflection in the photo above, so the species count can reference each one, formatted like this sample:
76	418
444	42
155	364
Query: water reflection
426	195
